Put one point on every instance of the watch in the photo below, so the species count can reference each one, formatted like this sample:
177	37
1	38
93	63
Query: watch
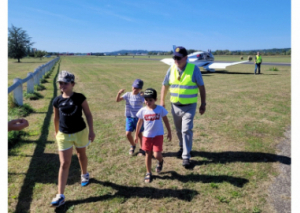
203	104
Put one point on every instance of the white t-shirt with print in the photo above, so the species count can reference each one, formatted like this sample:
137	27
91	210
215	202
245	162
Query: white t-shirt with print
153	125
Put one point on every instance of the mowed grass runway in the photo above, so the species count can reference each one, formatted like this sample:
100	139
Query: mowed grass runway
233	150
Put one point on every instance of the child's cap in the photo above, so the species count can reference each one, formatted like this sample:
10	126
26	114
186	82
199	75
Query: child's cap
150	93
65	76
138	83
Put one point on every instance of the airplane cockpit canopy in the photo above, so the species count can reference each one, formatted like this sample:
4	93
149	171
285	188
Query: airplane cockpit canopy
205	56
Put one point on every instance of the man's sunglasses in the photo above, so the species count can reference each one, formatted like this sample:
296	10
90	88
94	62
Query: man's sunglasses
176	58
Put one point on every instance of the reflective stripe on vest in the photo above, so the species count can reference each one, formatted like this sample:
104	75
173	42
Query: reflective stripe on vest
258	59
184	91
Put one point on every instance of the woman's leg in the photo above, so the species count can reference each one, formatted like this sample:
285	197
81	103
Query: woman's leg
65	158
82	158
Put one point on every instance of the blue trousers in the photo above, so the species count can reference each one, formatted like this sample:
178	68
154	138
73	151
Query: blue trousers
257	66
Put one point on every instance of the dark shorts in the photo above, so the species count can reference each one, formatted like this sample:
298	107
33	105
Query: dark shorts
153	144
131	124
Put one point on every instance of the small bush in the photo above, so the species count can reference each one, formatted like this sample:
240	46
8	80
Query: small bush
20	111
32	96
273	69
14	137
43	80
11	101
242	57
249	58
39	87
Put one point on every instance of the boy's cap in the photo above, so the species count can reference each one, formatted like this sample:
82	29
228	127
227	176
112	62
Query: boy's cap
65	76
180	52
138	83
150	93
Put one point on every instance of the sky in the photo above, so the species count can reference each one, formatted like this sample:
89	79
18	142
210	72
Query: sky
111	25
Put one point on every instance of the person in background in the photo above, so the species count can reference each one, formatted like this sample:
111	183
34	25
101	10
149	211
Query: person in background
257	62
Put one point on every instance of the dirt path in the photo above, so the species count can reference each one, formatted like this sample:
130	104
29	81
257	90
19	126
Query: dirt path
280	189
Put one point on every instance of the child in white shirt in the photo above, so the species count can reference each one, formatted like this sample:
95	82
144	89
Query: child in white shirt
152	116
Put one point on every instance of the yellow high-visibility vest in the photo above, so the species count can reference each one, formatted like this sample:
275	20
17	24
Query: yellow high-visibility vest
184	90
258	59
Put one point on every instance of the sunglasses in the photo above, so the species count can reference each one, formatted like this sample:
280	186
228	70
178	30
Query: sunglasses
177	58
63	83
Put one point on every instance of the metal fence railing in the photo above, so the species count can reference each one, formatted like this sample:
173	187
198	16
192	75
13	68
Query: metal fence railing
33	78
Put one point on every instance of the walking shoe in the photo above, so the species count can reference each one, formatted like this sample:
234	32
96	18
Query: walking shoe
58	201
179	153
186	163
141	153
85	179
159	166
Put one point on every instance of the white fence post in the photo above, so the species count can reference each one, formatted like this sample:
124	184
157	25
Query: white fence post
18	92
30	84
36	77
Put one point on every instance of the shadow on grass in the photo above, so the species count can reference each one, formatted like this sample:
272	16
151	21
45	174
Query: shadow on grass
126	192
239	182
229	157
43	167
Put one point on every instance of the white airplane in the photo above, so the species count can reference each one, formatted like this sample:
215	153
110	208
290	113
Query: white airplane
203	59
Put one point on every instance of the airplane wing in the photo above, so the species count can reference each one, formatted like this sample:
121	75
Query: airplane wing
219	65
168	61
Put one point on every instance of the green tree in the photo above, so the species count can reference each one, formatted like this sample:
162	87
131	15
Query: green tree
18	42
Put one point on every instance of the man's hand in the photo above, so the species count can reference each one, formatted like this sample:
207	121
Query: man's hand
202	109
169	136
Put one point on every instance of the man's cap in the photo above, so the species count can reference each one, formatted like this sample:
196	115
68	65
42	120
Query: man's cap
150	93
138	83
65	76
180	52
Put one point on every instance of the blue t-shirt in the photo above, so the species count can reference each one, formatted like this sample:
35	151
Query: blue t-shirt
133	104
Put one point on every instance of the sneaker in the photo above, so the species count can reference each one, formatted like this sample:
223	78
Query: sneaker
58	201
186	163
85	179
179	153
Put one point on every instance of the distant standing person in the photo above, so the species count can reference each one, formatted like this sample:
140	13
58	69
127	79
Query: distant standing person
152	116
258	61
184	80
134	102
70	129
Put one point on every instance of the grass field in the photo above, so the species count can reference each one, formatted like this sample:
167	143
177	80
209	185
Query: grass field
20	70
233	149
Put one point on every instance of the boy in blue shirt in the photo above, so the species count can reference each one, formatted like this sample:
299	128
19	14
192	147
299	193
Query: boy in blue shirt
134	102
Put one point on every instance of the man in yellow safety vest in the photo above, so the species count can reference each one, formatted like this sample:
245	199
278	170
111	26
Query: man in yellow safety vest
184	80
257	62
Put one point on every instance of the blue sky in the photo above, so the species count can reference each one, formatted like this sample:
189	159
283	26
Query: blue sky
101	26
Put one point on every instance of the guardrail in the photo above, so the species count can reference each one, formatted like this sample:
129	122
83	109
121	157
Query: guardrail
33	78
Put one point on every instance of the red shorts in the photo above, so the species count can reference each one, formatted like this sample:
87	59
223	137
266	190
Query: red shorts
153	144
